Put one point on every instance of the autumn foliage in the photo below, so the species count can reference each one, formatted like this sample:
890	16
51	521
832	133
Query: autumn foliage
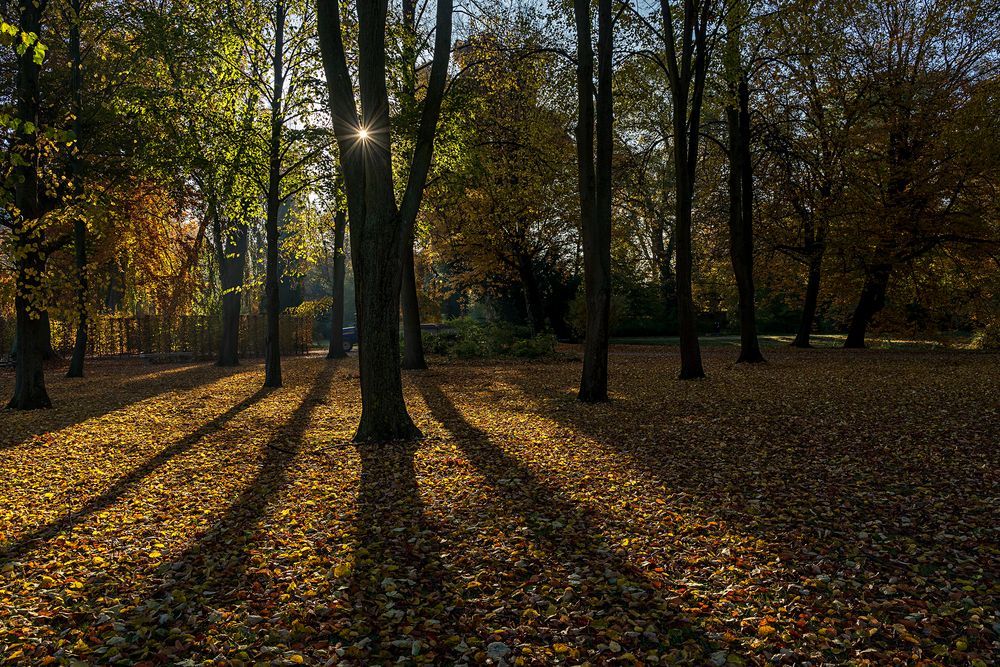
832	506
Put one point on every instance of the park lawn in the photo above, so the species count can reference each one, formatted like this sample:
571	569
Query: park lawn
831	506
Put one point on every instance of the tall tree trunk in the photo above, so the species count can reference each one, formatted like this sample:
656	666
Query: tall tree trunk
79	225
272	340
337	350
871	301
686	77
413	344
595	192
28	234
420	165
378	229
809	304
741	218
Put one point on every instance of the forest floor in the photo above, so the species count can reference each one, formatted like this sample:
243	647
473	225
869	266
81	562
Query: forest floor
829	507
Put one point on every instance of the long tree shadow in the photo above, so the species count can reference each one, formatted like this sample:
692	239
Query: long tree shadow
831	480
75	403
399	584
213	573
26	543
578	554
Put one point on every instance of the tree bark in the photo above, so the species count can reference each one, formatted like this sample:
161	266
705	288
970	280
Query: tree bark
378	228
272	340
871	301
741	218
413	344
802	338
28	234
533	302
686	77
232	266
595	192
337	350
420	164
75	171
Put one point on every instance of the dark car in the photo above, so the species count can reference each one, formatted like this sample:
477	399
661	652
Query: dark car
350	335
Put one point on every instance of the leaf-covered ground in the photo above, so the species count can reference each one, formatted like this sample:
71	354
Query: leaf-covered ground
830	507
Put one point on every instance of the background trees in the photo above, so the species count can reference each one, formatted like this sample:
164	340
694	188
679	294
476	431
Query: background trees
791	167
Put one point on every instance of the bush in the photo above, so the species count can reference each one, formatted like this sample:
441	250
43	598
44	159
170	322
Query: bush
987	338
541	345
467	338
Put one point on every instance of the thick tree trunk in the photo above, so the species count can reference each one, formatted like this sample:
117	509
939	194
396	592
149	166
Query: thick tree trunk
337	350
741	220
802	338
871	301
79	225
29	378
272	339
378	229
413	344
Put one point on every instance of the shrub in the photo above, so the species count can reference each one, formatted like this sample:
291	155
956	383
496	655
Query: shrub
987	338
467	338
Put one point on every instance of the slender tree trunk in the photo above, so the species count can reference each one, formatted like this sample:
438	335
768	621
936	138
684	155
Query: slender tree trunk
595	192
28	236
802	338
686	76
413	344
871	301
337	350
741	219
79	225
272	341
533	303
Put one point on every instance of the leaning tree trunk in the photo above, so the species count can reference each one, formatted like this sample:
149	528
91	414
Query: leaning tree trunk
595	192
272	340
871	301
28	236
337	350
79	225
741	220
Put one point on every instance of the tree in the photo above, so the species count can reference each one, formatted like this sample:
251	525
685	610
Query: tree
28	226
379	227
924	60
741	192
75	175
339	270
595	190
685	62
